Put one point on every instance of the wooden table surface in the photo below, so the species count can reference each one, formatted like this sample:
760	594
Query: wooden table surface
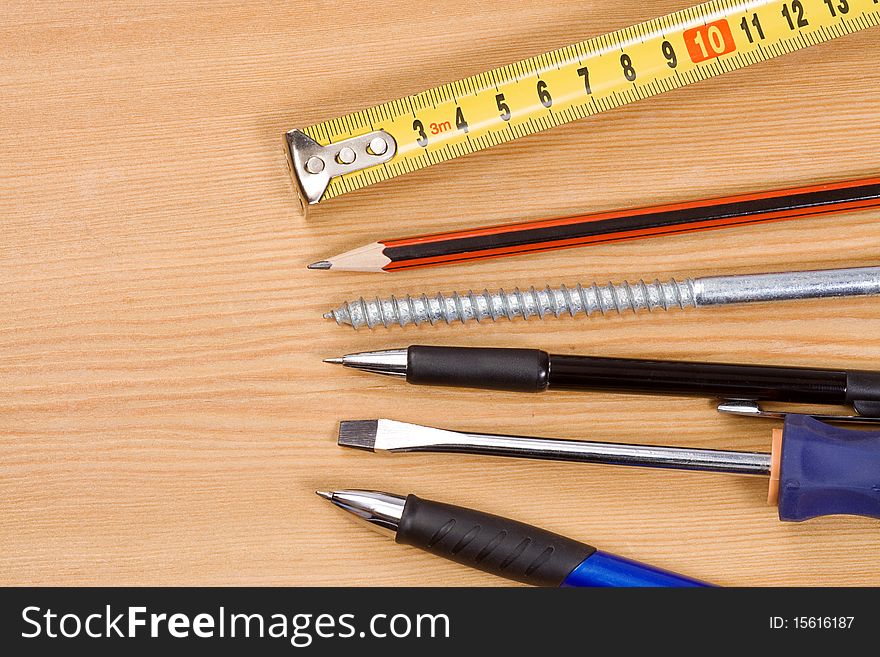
164	413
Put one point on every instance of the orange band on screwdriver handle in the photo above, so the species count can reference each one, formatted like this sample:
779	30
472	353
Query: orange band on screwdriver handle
775	467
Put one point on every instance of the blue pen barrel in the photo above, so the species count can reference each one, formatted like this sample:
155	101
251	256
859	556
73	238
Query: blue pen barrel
603	569
827	470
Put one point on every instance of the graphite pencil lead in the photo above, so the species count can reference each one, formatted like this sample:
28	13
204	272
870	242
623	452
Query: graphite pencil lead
321	264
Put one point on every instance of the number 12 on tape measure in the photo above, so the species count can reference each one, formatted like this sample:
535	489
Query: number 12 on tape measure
413	132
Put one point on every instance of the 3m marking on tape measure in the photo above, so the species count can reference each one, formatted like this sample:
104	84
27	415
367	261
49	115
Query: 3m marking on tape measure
372	145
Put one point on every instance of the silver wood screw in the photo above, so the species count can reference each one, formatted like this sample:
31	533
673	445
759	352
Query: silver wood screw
610	298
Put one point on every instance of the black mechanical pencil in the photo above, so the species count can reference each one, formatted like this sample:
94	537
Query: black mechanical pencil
533	370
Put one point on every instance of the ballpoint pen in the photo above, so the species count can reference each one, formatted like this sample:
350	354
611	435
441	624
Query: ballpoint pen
497	545
815	469
533	370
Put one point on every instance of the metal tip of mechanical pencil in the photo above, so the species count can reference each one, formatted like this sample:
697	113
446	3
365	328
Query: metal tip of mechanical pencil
321	264
326	494
390	362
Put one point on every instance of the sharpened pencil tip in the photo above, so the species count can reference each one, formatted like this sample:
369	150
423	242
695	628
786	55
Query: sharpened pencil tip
334	361
321	264
326	494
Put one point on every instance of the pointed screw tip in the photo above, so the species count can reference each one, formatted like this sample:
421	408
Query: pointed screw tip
328	315
321	264
326	494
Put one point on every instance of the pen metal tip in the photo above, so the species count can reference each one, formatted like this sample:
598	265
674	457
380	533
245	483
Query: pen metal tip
321	264
334	361
326	494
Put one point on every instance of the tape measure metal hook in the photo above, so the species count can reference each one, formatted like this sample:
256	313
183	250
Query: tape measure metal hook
313	165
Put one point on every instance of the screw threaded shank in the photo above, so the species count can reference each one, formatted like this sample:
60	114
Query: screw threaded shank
478	306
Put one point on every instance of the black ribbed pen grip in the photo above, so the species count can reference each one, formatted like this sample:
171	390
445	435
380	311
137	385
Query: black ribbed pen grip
497	545
519	370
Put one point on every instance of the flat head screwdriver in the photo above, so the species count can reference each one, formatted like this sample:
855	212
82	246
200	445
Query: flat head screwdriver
815	469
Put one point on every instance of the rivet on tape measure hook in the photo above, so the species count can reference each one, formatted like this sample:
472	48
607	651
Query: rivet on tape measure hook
410	133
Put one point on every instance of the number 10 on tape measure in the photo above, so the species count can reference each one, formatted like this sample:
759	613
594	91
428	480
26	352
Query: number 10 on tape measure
410	133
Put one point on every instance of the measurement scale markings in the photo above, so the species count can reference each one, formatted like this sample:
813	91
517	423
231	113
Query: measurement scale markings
587	77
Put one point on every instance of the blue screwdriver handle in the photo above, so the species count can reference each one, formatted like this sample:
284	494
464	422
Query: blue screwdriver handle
827	470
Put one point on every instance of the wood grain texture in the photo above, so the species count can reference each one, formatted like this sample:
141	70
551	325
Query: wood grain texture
164	413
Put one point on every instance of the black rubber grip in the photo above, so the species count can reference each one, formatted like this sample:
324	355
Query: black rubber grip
863	392
521	370
496	545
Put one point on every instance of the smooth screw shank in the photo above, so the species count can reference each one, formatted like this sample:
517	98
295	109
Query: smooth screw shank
478	306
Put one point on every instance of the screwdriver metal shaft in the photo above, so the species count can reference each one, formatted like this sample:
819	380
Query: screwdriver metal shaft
610	298
389	436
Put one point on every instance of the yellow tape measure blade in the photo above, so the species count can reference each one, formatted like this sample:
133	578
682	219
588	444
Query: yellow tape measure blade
599	74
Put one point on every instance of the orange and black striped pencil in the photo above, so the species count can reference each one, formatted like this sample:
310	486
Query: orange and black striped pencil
566	232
